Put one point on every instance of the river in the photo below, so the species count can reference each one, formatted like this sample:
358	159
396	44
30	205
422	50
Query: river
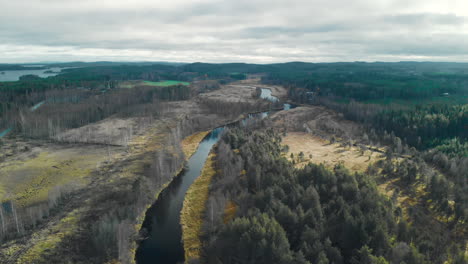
12	76
164	242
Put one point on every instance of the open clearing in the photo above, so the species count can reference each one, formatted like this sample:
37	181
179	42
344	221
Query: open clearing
232	93
317	150
240	92
28	178
309	130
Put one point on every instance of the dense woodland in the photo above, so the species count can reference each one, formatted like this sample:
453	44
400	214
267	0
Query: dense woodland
374	81
309	215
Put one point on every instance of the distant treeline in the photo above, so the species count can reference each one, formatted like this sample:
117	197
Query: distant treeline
16	67
372	81
441	126
359	81
347	86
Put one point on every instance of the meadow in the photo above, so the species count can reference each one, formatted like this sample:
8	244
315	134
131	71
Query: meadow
166	83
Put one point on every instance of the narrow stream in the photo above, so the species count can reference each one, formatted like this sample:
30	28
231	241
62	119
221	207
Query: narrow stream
162	221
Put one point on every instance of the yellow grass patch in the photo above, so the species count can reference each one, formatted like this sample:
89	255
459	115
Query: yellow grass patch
44	243
194	208
190	143
324	152
229	211
29	181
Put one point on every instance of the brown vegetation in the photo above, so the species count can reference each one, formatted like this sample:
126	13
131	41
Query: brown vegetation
194	209
190	143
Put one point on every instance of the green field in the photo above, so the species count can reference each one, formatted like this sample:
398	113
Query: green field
131	84
165	83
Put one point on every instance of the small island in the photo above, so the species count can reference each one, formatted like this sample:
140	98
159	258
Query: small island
29	77
51	71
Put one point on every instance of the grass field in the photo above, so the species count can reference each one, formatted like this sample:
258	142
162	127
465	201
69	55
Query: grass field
29	180
131	84
317	150
165	83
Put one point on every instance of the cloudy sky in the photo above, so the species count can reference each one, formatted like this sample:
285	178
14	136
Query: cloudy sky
260	31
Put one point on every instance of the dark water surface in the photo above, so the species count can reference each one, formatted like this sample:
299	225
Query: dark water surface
163	218
11	76
162	221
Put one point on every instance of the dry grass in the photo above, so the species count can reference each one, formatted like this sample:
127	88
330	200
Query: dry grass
194	209
403	200
29	181
45	241
232	93
114	131
190	143
324	152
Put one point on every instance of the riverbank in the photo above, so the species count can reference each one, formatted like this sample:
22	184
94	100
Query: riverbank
140	157
194	209
190	143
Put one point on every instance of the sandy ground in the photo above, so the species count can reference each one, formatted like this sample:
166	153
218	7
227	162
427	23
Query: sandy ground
317	150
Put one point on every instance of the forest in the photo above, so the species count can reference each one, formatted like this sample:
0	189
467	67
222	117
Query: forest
308	215
369	82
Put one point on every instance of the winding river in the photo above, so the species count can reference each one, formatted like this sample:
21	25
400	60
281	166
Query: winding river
162	220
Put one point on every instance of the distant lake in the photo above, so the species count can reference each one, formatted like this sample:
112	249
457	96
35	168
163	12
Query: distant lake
11	76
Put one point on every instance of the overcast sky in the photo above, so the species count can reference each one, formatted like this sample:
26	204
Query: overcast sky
259	31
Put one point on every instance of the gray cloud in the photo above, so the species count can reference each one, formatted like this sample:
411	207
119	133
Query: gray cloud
220	30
